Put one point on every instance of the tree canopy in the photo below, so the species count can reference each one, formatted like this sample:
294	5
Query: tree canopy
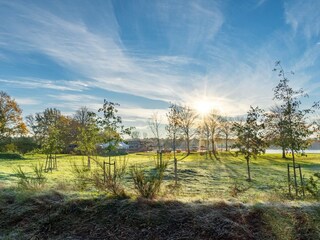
11	123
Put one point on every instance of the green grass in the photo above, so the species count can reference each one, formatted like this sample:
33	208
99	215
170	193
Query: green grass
213	201
199	178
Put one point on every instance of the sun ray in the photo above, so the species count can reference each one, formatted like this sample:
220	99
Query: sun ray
203	107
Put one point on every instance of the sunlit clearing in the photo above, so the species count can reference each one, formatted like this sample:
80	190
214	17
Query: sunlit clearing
203	107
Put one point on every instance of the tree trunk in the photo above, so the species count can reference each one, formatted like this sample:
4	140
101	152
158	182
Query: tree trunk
188	145
248	168
175	160
159	146
175	171
207	148
213	149
283	152
226	142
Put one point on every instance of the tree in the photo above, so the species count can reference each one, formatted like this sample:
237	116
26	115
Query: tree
173	129
154	125
250	136
135	135
296	129
42	122
88	136
52	144
111	125
275	124
212	124
11	123
187	118
83	116
225	127
204	132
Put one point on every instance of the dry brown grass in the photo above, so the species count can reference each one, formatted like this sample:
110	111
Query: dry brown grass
55	216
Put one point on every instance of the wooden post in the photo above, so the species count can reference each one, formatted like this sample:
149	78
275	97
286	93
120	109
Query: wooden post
294	172
289	180
109	169
175	171
104	171
248	168
51	162
46	165
55	162
302	185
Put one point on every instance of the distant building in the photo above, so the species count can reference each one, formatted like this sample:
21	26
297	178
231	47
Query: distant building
140	145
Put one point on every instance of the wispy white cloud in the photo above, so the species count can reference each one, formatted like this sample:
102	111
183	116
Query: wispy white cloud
37	83
304	16
231	78
27	101
74	97
260	2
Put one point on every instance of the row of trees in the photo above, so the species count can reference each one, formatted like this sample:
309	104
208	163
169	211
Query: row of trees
52	132
184	123
85	130
285	125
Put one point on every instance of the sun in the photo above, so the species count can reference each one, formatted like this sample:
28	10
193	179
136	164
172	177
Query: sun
203	107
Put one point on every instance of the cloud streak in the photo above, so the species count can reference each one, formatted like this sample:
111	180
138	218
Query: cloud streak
197	60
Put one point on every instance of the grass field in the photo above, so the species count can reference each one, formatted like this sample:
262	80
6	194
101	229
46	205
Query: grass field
214	201
199	178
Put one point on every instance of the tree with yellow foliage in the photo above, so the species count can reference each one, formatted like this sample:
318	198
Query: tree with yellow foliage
11	123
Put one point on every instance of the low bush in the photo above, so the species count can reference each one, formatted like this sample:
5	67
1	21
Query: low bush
148	184
111	179
313	185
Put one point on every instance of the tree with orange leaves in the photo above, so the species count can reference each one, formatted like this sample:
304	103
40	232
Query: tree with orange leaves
11	123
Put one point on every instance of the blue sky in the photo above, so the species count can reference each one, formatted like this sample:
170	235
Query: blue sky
144	54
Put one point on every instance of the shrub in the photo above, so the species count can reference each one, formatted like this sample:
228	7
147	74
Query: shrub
10	148
148	185
111	181
313	185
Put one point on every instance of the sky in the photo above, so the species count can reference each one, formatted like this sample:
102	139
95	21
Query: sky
146	54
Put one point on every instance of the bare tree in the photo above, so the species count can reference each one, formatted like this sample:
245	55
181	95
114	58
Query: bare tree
135	135
154	125
225	129
187	119
213	124
173	129
204	132
83	116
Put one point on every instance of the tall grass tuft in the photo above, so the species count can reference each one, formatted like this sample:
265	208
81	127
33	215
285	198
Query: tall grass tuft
81	175
34	181
148	184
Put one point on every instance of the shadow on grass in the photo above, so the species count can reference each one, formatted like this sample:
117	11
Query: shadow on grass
11	156
52	215
7	176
